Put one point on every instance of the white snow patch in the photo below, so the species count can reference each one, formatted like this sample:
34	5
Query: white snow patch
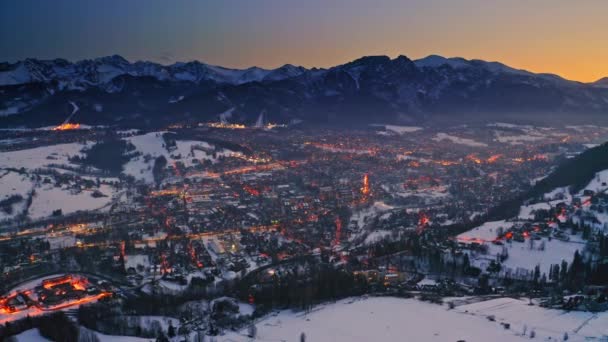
458	140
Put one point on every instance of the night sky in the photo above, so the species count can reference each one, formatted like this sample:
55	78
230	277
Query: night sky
566	37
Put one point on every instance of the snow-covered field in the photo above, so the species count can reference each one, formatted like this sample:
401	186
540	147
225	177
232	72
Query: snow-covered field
377	319
521	256
112	338
397	319
49	198
32	335
525	134
11	184
548	324
48	195
457	140
486	232
518	139
402	129
152	144
40	157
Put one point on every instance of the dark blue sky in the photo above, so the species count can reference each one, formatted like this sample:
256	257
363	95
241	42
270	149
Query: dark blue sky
561	36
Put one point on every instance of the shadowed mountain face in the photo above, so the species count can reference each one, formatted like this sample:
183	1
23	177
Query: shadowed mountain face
113	91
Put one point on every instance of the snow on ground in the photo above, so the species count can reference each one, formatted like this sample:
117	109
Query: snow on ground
32	335
176	99
34	311
376	236
599	182
134	260
377	319
506	125
548	324
427	281
58	242
458	140
226	115
152	144
360	218
33	283
113	338
485	232
559	193
69	196
246	309
524	256
402	129
146	322
518	139
40	157
432	192
14	183
49	198
397	319
521	256
401	157
526	212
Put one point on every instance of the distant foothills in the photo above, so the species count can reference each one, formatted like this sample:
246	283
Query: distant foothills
113	91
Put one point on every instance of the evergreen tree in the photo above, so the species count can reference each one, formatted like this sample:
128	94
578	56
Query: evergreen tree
555	276
563	271
576	274
466	263
171	330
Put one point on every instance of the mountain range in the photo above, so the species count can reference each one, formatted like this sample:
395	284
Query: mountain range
113	91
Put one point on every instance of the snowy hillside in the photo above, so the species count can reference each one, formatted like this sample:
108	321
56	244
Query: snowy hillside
543	234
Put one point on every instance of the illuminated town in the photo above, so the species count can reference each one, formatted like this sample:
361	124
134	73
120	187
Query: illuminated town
311	171
209	211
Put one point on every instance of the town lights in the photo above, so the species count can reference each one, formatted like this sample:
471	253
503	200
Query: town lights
67	126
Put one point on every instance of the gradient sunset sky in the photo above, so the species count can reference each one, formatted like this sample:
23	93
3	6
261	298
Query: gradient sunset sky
566	37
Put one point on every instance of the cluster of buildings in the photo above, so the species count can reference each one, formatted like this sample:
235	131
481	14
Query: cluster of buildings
288	193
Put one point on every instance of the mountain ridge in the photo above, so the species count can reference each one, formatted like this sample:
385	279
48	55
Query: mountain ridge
428	61
113	90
